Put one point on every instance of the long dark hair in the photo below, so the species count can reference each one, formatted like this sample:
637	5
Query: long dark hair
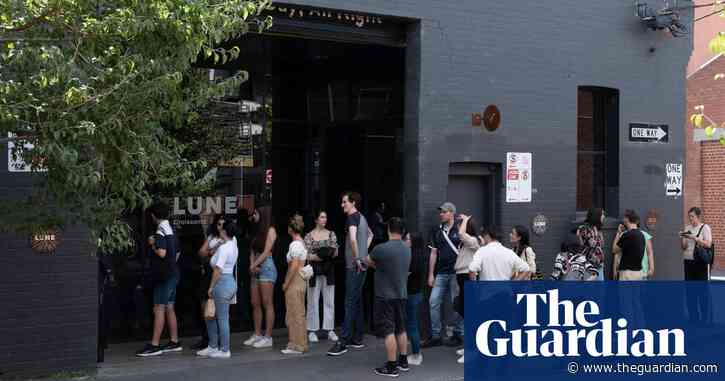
213	230
473	229
525	239
261	228
594	217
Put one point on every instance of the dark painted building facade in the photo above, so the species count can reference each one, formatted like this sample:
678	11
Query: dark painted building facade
568	78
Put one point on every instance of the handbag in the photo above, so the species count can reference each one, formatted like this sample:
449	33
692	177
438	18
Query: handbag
306	272
703	254
209	309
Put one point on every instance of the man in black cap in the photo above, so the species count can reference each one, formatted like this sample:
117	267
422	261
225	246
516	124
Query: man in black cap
445	245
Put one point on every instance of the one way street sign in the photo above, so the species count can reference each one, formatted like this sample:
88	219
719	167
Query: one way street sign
649	133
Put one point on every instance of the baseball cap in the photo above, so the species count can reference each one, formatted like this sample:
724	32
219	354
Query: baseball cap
447	207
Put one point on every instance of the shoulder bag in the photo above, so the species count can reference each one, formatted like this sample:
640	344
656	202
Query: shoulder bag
703	254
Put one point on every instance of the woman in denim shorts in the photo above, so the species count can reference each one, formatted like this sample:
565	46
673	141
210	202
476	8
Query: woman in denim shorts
263	275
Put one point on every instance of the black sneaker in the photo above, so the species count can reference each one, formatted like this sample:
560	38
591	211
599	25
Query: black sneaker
338	349
150	350
356	344
172	347
387	371
201	344
454	341
403	363
432	342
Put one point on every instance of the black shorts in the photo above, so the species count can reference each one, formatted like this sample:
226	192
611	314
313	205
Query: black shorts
389	316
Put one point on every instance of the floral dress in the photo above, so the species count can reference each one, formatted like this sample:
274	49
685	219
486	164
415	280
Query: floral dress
593	243
325	267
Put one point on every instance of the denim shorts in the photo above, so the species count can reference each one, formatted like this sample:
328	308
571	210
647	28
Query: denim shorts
267	272
165	292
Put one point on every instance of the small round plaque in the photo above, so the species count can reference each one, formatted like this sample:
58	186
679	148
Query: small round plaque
45	241
540	224
492	118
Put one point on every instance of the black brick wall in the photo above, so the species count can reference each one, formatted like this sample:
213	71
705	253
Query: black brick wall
49	315
529	57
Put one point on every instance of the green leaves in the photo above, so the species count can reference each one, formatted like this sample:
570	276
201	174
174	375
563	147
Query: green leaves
113	101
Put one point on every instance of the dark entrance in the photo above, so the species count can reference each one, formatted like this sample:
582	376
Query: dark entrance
330	118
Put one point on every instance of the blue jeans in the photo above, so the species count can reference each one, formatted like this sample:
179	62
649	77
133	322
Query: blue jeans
218	328
444	287
353	327
411	324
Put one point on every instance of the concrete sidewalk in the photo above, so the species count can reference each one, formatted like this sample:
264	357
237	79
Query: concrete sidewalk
439	364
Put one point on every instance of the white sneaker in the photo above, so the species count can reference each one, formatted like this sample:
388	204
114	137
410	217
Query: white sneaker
460	360
460	352
264	342
217	354
290	352
206	352
416	359
313	337
251	340
332	336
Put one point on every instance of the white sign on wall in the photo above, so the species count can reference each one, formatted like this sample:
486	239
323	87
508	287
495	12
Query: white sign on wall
15	162
673	183
518	177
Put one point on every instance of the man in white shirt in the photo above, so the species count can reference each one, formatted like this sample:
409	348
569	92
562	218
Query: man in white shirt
493	261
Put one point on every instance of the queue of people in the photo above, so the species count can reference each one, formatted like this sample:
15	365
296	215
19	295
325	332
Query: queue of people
459	251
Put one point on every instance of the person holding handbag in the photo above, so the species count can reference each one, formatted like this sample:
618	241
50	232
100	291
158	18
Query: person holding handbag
207	250
294	287
222	289
321	244
696	242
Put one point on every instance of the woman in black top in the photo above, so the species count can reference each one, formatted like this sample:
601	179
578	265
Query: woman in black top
415	293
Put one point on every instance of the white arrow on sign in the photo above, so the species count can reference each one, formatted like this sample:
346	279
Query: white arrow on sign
649	133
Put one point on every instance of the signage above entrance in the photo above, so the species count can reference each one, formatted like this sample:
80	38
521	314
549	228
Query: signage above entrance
649	133
297	12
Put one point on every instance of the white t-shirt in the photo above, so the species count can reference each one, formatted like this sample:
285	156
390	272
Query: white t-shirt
495	262
296	251
706	234
225	257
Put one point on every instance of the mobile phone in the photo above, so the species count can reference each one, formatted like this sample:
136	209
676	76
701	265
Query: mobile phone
685	234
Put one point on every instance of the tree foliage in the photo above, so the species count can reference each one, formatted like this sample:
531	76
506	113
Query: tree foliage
102	89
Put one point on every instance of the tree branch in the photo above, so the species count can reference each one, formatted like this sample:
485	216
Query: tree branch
35	21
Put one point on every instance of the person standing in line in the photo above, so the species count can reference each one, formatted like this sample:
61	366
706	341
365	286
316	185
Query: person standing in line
697	234
591	238
494	262
165	275
321	244
648	259
470	243
391	261
263	276
357	241
445	247
520	239
294	288
207	250
571	263
630	245
416	278
222	289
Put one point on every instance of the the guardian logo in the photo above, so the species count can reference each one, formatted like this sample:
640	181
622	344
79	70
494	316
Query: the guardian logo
581	329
